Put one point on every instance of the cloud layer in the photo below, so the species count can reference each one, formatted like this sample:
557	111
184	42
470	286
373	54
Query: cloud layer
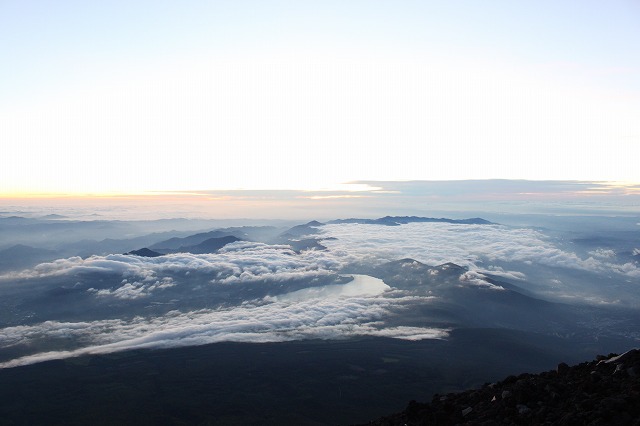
477	247
292	317
255	292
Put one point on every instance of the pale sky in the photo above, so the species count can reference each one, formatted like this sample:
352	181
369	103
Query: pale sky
127	97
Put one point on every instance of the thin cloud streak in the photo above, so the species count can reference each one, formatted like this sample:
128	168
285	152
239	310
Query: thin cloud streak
332	318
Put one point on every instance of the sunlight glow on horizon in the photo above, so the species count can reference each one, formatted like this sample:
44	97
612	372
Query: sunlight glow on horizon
551	189
346	188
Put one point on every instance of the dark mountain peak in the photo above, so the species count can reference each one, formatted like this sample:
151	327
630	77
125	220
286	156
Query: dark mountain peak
314	223
144	252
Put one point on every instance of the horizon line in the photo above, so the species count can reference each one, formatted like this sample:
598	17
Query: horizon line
366	186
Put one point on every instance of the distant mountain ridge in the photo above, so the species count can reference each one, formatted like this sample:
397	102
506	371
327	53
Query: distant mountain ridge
211	245
401	220
22	256
246	233
298	237
177	243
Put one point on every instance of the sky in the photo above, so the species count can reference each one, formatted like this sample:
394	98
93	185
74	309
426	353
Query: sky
127	97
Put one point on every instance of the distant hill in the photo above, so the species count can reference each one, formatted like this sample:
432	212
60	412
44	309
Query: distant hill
144	252
247	233
192	240
212	241
87	247
298	231
306	244
21	256
54	216
21	250
210	245
16	220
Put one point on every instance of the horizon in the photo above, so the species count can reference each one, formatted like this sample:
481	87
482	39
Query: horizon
367	199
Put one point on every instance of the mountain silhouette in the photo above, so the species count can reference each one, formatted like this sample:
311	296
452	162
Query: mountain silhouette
144	252
210	245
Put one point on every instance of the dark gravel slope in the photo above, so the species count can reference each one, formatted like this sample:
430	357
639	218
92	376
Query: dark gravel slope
605	391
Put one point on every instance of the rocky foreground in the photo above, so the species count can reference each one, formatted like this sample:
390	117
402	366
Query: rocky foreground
601	392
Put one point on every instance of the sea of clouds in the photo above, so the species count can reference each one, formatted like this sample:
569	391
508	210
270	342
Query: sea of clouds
270	293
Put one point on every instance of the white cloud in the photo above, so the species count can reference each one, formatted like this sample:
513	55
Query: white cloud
292	318
472	246
410	333
474	278
603	253
629	269
477	247
500	272
134	290
242	261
